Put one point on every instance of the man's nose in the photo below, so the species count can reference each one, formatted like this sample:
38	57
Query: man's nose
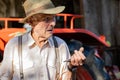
53	22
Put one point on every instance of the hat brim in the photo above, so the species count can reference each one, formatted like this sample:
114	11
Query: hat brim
55	10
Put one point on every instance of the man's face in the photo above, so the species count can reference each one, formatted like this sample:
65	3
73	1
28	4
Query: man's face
44	28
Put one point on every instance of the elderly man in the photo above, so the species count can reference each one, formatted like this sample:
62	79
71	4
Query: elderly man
38	55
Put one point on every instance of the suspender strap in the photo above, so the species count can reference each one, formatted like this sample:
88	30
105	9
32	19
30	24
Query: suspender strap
57	58
20	57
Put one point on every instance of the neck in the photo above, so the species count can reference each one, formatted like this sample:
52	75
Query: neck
40	41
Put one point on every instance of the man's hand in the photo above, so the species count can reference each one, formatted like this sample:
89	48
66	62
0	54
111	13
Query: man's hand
77	58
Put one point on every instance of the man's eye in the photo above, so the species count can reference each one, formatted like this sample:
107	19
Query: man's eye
47	19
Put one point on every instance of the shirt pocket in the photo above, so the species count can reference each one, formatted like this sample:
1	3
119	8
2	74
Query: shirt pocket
28	70
28	66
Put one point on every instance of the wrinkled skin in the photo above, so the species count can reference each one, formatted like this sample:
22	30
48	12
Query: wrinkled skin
44	29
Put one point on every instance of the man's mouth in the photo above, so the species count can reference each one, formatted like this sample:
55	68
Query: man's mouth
49	30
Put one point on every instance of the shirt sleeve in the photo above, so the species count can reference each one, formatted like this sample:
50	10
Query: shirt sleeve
65	74
6	65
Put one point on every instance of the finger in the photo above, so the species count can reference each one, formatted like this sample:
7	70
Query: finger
82	56
81	49
81	53
79	57
81	64
75	59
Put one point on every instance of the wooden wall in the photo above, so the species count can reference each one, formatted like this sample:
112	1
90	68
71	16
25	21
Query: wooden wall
103	17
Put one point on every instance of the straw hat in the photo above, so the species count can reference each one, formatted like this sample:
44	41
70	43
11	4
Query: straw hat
32	7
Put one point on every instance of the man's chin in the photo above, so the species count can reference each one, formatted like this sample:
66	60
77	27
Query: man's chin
48	36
